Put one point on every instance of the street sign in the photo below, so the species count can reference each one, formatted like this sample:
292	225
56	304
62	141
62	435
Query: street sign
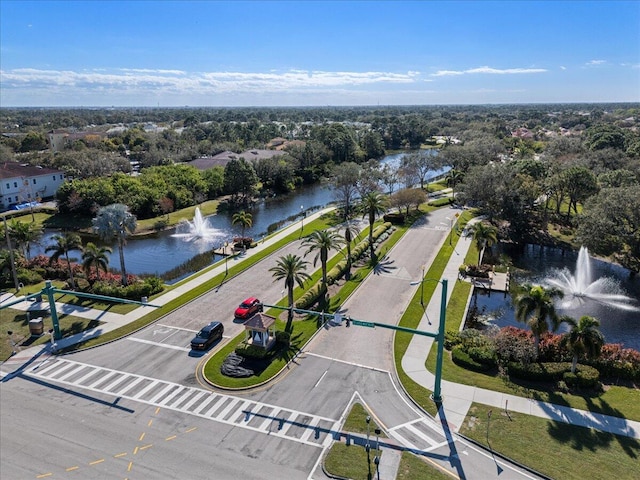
363	324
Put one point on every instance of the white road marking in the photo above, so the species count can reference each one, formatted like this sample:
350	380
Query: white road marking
158	344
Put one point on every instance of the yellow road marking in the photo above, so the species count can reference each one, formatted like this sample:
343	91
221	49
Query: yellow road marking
150	422
171	437
95	462
149	445
141	437
71	469
135	450
45	475
191	430
120	455
129	467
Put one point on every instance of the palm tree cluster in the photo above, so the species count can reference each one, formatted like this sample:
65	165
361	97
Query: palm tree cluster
292	268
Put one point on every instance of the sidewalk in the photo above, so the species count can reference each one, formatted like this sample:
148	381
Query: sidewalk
112	321
457	398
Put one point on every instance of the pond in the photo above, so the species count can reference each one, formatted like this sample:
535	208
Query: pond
161	252
539	264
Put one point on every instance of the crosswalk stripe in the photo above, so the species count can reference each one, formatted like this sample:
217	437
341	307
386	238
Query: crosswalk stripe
193	400
102	379
161	393
146	389
217	407
71	373
130	386
172	395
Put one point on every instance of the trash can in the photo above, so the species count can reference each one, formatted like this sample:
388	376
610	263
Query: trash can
36	326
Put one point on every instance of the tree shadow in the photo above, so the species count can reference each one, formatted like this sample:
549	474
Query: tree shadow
384	266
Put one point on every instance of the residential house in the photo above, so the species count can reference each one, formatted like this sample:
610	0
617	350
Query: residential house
22	183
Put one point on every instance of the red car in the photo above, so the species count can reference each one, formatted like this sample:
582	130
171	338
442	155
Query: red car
248	308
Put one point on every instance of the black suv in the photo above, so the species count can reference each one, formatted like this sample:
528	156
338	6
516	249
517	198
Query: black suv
209	334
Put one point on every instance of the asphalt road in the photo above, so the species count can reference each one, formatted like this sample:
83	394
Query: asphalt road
134	408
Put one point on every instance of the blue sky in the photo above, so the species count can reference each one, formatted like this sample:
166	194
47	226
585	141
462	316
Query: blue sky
306	53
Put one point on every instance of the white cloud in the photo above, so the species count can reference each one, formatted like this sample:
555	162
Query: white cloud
489	70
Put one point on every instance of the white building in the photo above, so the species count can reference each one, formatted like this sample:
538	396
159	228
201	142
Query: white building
21	183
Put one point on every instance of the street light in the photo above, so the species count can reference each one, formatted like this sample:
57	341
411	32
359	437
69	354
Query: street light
301	220
437	390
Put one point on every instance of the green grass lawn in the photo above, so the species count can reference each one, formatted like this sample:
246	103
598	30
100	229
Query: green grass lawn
555	449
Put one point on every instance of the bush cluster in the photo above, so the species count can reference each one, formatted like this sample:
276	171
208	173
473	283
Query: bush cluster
514	348
251	351
134	291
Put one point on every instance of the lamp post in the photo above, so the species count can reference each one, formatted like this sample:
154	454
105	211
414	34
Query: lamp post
301	220
437	390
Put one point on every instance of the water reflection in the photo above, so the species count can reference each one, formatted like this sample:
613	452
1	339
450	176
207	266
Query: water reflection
618	326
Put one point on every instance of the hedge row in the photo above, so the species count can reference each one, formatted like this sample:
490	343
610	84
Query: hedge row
585	375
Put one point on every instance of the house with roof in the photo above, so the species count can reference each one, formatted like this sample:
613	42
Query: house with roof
21	183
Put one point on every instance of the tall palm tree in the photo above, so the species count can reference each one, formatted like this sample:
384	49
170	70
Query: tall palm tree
116	220
65	243
351	231
245	219
535	307
23	233
321	241
291	268
484	235
584	338
453	178
95	256
372	205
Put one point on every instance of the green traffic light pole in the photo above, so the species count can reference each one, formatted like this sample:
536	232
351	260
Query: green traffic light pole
49	291
438	336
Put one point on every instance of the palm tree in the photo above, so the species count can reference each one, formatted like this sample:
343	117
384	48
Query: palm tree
535	306
351	231
373	204
485	236
115	220
95	256
322	241
23	234
245	219
453	178
291	268
65	243
584	338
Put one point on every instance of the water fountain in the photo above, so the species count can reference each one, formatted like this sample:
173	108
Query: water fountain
580	288
197	229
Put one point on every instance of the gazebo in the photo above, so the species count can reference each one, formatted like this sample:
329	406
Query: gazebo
260	331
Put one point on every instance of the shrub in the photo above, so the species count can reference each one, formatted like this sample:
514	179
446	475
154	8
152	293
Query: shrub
540	372
27	277
250	351
486	355
462	359
311	296
585	377
617	362
451	339
514	345
283	338
394	218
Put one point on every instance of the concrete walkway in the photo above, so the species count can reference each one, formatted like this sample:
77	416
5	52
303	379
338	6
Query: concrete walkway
112	321
457	398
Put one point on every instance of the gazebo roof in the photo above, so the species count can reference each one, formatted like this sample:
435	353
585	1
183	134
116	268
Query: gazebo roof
260	322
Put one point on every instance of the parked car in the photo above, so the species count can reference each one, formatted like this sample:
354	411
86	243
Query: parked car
248	308
207	336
